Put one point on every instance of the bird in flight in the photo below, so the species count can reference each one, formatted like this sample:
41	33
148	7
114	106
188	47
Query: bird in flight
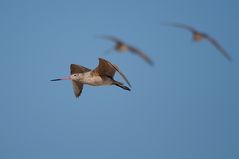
121	46
198	36
102	75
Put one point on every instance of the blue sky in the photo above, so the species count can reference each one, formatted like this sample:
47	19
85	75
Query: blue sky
184	107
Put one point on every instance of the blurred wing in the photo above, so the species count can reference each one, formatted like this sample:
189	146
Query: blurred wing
77	87
219	47
112	38
140	53
104	68
78	69
180	25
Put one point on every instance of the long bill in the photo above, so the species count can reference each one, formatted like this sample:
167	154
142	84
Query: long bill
63	78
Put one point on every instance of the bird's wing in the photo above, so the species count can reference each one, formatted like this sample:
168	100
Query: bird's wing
77	87
107	68
218	46
140	53
78	69
121	73
104	68
112	38
180	25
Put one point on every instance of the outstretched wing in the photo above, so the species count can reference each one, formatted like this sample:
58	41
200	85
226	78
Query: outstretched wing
77	87
180	25
141	54
219	47
106	68
78	69
121	73
112	38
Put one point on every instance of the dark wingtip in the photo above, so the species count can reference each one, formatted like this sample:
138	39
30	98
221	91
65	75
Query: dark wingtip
58	79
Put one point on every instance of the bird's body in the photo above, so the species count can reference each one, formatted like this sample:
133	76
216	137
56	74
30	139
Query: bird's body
123	47
92	79
199	36
102	75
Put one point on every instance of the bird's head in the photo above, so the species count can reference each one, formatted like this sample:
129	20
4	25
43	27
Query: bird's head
76	76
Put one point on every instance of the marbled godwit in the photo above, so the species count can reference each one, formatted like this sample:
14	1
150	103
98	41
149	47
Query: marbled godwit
102	75
121	47
198	36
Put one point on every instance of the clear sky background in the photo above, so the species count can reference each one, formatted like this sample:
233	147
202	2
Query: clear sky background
184	107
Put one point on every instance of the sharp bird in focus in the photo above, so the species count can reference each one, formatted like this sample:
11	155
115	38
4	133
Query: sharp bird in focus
102	75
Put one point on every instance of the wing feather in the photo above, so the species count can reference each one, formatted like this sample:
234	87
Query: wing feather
219	47
77	87
78	69
112	38
180	25
106	68
141	54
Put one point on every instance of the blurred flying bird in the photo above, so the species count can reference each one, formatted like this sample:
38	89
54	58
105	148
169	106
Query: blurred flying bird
198	36
102	75
121	47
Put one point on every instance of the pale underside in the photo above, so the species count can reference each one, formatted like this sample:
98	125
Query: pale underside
96	80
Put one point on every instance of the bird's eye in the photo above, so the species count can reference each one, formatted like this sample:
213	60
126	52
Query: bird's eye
75	75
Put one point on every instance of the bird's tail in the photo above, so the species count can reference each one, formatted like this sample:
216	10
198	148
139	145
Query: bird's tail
121	85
